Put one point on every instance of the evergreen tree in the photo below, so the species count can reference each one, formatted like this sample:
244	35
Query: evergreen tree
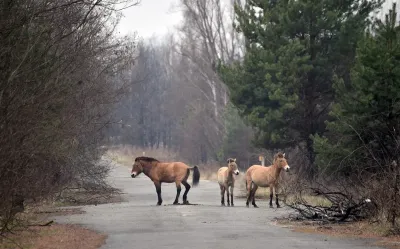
365	130
284	84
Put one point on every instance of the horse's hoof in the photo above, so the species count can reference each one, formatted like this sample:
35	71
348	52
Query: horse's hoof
229	204
232	205
175	203
255	206
186	203
278	206
159	203
270	206
222	204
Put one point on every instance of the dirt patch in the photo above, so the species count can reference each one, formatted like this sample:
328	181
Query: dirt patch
59	211
34	228
56	236
361	229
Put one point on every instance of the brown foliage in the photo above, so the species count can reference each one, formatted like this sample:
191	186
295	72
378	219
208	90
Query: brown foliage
61	70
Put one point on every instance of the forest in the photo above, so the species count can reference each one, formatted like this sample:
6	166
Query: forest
316	79
319	80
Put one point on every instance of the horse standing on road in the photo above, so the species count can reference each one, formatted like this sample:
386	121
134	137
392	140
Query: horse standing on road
260	176
167	172
226	179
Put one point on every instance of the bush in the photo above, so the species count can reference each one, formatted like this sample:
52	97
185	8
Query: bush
61	70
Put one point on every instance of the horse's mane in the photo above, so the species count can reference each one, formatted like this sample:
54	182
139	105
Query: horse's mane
146	159
279	154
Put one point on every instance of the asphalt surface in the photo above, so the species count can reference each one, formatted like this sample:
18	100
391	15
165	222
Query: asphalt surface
138	223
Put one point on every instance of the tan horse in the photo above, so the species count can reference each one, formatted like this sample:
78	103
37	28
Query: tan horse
260	176
167	172
226	180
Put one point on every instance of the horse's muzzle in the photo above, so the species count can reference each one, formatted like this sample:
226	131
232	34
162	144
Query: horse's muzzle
237	172
133	175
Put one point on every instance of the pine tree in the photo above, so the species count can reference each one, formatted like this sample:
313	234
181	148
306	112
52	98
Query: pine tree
284	84
364	132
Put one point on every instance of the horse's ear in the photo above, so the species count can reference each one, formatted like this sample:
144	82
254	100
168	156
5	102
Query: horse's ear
284	154
234	160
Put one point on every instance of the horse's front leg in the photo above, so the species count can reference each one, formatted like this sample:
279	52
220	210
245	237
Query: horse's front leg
276	196
227	194
178	192
232	186
271	195
157	184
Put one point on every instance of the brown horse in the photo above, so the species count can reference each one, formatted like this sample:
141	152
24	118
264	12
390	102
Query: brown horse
167	172
226	180
260	176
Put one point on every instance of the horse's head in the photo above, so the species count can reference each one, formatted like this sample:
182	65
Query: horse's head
280	161
137	168
232	166
142	162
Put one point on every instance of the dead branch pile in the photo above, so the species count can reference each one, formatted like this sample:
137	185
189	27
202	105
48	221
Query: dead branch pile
342	208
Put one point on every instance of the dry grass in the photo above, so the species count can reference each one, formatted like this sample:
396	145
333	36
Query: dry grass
125	154
361	229
54	237
263	193
309	199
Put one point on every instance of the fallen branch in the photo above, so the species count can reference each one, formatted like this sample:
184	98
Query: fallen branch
42	225
343	207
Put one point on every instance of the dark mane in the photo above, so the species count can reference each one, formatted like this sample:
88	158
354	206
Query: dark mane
278	155
146	159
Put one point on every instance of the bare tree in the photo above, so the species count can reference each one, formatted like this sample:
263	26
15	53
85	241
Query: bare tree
58	73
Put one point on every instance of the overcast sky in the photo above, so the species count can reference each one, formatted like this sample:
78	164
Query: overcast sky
157	17
151	17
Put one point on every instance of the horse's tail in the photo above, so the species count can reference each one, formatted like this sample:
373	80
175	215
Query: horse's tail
196	175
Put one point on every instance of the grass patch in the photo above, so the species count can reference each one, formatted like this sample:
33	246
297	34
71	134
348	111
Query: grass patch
263	193
56	236
309	199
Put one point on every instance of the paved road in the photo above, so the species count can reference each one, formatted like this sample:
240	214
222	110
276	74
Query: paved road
138	223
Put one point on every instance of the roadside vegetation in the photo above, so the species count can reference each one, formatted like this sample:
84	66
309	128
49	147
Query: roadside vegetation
318	80
62	68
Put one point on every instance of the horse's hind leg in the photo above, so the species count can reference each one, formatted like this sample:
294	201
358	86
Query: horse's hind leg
187	188
222	195
178	192
248	188
253	194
